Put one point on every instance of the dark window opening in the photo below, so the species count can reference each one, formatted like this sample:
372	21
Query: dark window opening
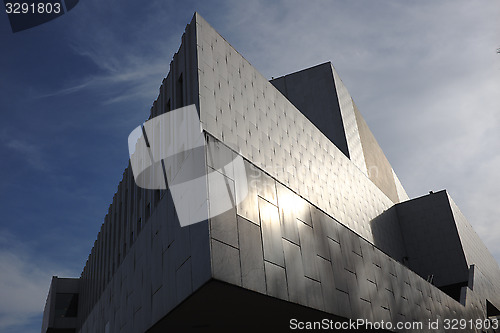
148	211
139	225
179	93
454	290
66	305
491	310
157	197
167	106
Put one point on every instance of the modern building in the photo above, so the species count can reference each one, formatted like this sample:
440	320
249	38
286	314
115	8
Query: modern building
325	232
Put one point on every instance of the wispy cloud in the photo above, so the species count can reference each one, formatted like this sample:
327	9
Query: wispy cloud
24	284
30	152
131	54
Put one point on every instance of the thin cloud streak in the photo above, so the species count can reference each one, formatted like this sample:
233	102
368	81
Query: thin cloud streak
31	153
24	283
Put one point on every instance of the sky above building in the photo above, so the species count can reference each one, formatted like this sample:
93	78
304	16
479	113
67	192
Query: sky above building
425	75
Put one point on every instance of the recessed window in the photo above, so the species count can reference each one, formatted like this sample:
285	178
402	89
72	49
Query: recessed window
148	211
179	93
66	305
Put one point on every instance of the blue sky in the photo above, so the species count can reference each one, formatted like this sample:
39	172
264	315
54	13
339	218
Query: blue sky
424	74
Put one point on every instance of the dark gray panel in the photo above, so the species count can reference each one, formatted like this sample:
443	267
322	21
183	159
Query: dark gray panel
226	263
271	232
353	288
156	264
295	273
308	250
339	273
314	295
327	285
276	281
343	304
182	281
200	253
223	227
346	244
330	228
311	92
432	239
319	219
251	256
368	258
365	310
181	245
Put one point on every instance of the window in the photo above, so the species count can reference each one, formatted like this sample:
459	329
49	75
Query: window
148	211
167	106
139	225
66	305
157	197
179	93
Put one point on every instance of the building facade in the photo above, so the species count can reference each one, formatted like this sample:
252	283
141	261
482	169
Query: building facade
324	230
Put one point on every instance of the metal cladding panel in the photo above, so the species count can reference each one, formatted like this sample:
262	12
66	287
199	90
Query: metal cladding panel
276	281
307	241
350	124
378	167
223	227
239	107
288	206
402	195
283	237
477	254
295	273
312	91
226	262
251	256
431	238
143	264
271	233
354	278
247	194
